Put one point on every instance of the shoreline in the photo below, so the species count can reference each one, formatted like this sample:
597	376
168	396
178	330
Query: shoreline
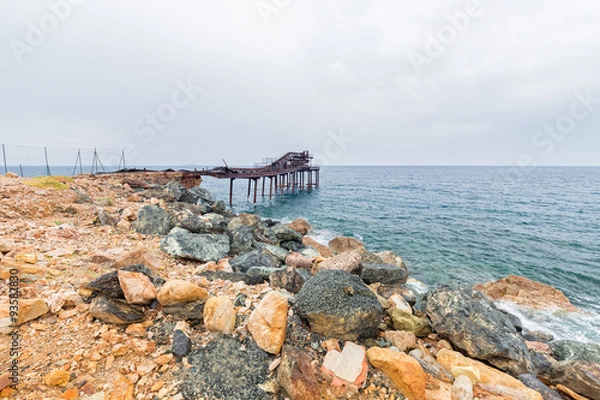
64	240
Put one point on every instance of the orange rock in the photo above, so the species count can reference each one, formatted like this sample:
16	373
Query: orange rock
450	359
321	248
403	340
342	244
70	394
179	291
137	287
525	292
268	322
29	309
219	315
403	370
136	330
7	392
57	377
300	225
122	389
164	359
140	255
29	258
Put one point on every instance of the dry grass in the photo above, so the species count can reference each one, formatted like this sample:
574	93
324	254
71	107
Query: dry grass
50	182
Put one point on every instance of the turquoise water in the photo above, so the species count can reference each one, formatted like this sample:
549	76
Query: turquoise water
463	225
466	225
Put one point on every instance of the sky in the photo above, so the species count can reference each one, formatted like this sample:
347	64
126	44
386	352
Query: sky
356	82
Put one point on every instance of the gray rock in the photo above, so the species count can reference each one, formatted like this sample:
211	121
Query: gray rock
293	246
241	240
113	311
310	252
284	233
537	336
431	366
290	279
564	350
195	224
82	197
514	320
383	273
186	311
192	246
582	377
152	220
182	344
264	272
473	324
534	383
542	365
175	189
407	293
203	194
337	304
226	368
232	277
278	252
105	219
254	258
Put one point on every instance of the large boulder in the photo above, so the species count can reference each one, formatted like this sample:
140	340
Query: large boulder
290	279
284	233
525	292
384	273
241	240
192	246
300	225
342	244
348	261
254	258
152	220
268	322
472	323
203	194
339	305
582	377
565	350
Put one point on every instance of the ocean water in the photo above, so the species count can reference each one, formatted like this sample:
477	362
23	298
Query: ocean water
463	225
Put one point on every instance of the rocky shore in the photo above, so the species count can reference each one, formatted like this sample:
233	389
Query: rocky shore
129	290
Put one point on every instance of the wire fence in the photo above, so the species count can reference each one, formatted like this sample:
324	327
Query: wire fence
43	160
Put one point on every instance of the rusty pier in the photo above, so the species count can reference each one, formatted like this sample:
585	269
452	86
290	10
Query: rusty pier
292	171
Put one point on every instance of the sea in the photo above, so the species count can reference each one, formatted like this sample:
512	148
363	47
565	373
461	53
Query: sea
461	225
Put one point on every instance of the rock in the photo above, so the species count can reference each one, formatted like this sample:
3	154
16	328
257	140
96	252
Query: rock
6	246
296	376
462	388
152	220
136	330
525	292
28	258
431	366
565	350
514	320
114	311
179	291
542	365
122	389
226	368
57	377
264	272
268	322
137	287
278	252
203	194
389	257
232	277
182	344
297	260
339	305
537	336
248	220
348	261
321	248
570	394
383	273
469	371
186	311
283	233
407	293
109	285
486	334
534	383
539	347
138	256
404	371
342	244
241	240
403	340
293	246
310	253
403	321
175	189
348	367
30	309
193	223
290	279
219	315
300	225
488	375
164	359
254	258
398	302
583	377
192	246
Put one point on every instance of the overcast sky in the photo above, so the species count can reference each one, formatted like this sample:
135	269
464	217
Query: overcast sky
379	82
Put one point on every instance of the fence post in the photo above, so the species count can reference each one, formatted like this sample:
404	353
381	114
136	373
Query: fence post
4	157
47	166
